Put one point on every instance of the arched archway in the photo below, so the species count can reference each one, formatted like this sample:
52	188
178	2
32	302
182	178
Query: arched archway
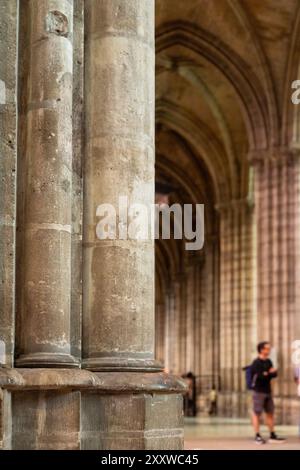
220	121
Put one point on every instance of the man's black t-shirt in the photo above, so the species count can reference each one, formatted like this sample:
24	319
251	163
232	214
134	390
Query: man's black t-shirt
261	382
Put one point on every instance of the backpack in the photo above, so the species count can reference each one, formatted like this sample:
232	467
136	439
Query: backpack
250	381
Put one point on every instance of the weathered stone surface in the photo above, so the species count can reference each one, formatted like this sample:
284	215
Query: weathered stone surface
53	419
217	99
132	421
118	275
77	190
49	379
45	182
5	419
8	167
70	409
45	405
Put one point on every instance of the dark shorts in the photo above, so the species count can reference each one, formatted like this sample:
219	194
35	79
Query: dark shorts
263	402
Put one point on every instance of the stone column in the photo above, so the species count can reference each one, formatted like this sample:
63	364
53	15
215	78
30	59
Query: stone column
77	164
118	274
190	317
160	313
206	321
215	306
278	302
226	359
45	184
179	287
210	311
173	330
168	331
8	163
236	302
198	312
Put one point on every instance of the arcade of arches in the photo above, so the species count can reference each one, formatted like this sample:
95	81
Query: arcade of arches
79	367
227	135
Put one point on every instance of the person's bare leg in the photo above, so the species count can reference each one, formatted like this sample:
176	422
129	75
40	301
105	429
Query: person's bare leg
256	422
270	421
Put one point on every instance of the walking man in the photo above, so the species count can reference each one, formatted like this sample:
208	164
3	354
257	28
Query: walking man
262	373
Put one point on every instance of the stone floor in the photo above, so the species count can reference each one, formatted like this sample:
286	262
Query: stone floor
233	434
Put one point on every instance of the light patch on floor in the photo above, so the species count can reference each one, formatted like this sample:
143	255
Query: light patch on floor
233	434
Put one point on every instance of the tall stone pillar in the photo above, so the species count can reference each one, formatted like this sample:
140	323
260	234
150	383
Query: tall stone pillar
198	312
237	325
179	287
168	331
118	274
8	164
172	330
47	403
176	330
45	184
160	314
190	317
209	315
278	301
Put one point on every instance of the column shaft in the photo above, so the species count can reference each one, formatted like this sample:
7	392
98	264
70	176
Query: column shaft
168	339
190	320
118	274
45	182
8	163
278	302
160	313
237	328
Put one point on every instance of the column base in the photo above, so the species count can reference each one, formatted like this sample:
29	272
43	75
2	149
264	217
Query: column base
120	364
53	360
80	409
